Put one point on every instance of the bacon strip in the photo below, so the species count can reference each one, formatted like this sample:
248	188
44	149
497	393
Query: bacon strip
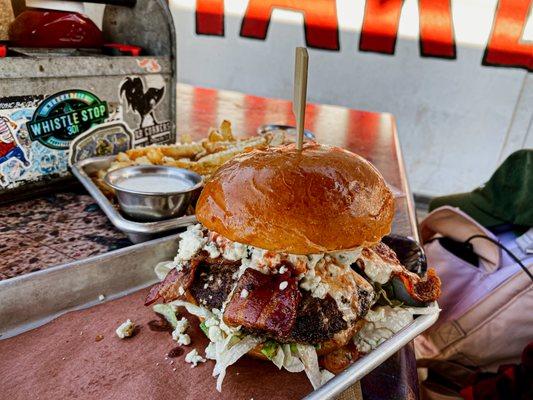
169	288
425	289
264	305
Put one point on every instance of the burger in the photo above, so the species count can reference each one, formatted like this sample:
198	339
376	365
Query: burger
287	259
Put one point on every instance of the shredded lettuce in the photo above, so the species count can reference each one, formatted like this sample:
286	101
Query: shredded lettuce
167	311
192	308
290	362
279	358
309	358
232	355
283	355
163	268
326	376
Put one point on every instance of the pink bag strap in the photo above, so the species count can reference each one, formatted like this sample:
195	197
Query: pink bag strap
453	223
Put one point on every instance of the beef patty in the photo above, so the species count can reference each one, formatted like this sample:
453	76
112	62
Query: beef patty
317	320
213	282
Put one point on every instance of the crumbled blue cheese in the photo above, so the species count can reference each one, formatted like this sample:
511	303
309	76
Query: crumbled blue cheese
194	358
313	283
179	335
377	269
347	257
235	251
212	249
244	293
192	240
282	270
183	339
283	285
125	329
181	326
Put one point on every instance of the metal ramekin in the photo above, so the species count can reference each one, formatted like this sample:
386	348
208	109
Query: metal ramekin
150	206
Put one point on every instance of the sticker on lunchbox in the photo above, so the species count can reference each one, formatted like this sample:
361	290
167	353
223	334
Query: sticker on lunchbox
65	115
102	140
142	97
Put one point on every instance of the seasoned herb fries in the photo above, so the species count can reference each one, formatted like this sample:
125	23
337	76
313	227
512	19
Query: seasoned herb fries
203	157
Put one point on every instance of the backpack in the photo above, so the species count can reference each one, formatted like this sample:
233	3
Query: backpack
487	309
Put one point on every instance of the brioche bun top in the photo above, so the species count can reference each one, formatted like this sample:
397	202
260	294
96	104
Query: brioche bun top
320	199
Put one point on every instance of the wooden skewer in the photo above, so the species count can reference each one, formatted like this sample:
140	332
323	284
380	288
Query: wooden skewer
300	92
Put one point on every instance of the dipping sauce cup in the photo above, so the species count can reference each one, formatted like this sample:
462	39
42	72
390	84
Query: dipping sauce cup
153	192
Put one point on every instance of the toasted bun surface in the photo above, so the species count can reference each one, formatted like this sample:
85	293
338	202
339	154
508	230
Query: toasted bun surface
317	200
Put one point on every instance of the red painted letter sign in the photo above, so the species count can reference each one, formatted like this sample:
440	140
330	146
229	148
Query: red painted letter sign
505	47
210	17
320	18
382	18
436	29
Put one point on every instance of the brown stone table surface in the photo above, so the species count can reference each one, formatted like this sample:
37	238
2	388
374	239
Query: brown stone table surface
62	227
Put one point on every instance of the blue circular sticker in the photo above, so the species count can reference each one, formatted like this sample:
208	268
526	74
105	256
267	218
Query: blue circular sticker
65	115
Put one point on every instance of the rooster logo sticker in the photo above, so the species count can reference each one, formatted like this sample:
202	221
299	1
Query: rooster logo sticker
141	101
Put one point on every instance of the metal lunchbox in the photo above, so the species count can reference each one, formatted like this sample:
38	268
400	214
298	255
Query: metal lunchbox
59	107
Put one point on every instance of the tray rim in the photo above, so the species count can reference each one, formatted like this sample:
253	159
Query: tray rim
117	219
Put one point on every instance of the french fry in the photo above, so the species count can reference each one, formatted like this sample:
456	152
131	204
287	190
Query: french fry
119	164
188	150
178	163
214	136
104	188
155	155
133	154
217	159
213	147
143	161
122	157
201	154
275	138
101	173
225	130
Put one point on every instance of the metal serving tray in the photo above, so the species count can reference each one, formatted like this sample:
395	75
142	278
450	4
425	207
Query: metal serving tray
33	300
137	232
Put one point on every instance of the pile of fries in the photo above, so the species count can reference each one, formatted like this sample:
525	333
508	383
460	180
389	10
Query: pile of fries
203	157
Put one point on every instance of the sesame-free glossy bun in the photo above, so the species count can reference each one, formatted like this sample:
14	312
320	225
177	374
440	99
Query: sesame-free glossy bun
316	200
